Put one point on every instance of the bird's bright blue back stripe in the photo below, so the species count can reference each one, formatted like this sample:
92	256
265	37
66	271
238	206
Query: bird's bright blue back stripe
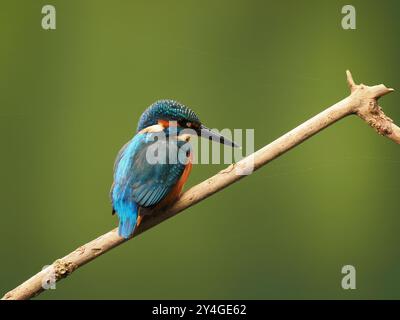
126	208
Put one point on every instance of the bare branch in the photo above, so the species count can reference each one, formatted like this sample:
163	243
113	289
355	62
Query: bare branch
362	101
367	108
350	81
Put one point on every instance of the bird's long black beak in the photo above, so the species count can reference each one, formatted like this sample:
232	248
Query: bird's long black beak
207	133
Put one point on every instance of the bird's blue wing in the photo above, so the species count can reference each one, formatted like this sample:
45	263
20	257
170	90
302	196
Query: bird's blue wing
140	180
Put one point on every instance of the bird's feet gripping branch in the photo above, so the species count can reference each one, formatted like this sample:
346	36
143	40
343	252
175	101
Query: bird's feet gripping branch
152	168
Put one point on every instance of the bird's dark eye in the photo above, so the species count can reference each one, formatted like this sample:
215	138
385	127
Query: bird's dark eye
188	124
185	124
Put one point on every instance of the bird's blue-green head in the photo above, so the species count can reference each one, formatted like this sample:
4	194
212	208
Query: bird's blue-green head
165	111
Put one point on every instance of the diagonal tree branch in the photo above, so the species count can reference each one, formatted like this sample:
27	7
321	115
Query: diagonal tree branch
363	101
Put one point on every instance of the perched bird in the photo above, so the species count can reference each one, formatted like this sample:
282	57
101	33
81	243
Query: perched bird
140	183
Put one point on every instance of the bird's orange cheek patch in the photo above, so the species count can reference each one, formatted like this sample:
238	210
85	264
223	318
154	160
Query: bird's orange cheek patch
165	123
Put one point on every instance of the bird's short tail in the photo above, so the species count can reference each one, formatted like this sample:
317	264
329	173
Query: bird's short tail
127	213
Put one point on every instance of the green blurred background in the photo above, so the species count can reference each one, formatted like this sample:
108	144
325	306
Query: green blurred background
70	98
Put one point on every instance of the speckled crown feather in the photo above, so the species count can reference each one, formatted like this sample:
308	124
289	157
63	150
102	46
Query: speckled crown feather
169	110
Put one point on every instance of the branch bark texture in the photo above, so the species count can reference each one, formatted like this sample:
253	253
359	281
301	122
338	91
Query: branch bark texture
362	101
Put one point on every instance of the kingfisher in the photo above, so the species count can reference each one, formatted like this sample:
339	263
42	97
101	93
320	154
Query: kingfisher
164	128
